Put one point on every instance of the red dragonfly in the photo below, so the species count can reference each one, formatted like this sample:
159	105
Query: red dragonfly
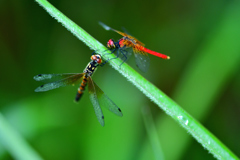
140	52
97	96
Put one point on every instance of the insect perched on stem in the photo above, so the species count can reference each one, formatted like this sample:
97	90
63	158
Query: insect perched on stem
97	96
140	52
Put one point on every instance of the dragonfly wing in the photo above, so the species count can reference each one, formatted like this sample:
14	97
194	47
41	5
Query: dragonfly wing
134	40
131	38
42	77
124	54
142	61
109	28
137	41
69	80
94	100
107	102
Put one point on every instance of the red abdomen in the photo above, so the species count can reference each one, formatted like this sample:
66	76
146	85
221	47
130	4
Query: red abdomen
155	53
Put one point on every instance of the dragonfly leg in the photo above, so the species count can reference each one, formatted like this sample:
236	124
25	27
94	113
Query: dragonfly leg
102	64
112	51
124	53
102	51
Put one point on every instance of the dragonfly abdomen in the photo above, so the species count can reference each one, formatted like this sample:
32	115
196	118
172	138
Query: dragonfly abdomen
155	53
81	89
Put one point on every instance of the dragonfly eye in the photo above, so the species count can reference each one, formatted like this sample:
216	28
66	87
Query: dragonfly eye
93	57
99	60
98	57
111	44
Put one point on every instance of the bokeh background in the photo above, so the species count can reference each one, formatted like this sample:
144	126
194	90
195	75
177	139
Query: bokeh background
202	38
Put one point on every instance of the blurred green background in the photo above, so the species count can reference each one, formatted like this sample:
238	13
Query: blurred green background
203	76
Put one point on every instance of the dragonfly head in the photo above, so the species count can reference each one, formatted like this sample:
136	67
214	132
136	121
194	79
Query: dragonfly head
97	58
111	44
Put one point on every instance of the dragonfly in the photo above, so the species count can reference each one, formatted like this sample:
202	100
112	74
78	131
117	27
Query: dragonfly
97	96
140	52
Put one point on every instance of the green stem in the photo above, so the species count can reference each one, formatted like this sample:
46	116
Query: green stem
201	134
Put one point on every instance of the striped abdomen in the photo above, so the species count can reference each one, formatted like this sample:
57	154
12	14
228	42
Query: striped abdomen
81	89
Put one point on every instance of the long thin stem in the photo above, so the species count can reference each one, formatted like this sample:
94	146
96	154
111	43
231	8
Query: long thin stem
201	134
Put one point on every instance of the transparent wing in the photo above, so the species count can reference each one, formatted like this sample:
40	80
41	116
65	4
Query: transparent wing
54	77
68	79
131	38
124	54
142	61
94	100
107	102
105	26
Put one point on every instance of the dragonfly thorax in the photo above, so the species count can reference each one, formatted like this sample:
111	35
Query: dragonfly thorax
92	66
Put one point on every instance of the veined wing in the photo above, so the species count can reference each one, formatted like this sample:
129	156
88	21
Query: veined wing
109	28
107	102
124	54
94	100
68	79
142	60
134	40
54	77
130	38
